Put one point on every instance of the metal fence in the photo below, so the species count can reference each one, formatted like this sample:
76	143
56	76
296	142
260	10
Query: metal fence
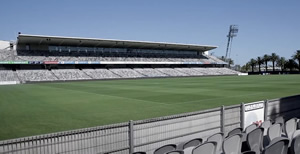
146	135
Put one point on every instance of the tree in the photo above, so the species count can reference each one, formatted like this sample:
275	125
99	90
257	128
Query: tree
246	67
230	61
259	62
223	58
265	59
281	62
296	56
253	63
291	64
274	58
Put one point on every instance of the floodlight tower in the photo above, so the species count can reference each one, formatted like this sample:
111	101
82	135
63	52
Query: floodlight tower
233	30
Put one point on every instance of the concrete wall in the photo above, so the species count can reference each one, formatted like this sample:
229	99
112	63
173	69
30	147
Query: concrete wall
287	107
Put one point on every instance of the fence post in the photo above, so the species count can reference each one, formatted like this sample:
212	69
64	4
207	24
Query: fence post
242	115
223	119
131	137
266	103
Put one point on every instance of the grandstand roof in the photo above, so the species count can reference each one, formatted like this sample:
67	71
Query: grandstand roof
110	43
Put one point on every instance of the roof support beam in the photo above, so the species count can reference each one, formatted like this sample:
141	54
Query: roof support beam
40	41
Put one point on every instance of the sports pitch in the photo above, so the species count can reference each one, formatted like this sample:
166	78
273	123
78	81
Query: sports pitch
32	109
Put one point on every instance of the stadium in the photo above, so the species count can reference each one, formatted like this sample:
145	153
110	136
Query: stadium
49	58
88	95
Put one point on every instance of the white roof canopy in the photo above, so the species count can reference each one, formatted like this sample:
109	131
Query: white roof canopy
109	43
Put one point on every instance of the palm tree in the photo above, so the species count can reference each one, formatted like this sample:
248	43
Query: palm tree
246	67
296	56
291	64
230	61
223	58
265	59
253	63
281	62
259	62
274	57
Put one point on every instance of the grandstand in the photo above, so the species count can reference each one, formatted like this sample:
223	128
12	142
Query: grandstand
36	58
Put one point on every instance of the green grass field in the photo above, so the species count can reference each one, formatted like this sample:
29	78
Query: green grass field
32	109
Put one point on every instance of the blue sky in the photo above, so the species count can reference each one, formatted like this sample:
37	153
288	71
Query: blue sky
265	26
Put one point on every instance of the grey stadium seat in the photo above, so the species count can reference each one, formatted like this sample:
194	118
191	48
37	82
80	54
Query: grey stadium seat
296	133
298	124
274	131
266	125
175	152
290	127
218	138
255	140
235	131
192	143
165	149
205	148
188	150
295	145
250	128
249	152
279	120
278	145
140	152
232	144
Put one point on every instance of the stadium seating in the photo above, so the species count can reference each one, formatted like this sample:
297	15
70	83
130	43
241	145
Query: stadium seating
100	74
171	72
164	149
278	146
6	55
250	128
255	140
127	73
36	75
113	73
218	138
274	131
150	72
296	133
7	75
176	152
190	71
191	143
265	125
295	145
249	152
139	152
110	56
290	128
70	74
106	55
215	59
235	131
232	144
207	148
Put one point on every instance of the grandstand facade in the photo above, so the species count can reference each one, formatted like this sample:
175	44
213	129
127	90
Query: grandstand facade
35	58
